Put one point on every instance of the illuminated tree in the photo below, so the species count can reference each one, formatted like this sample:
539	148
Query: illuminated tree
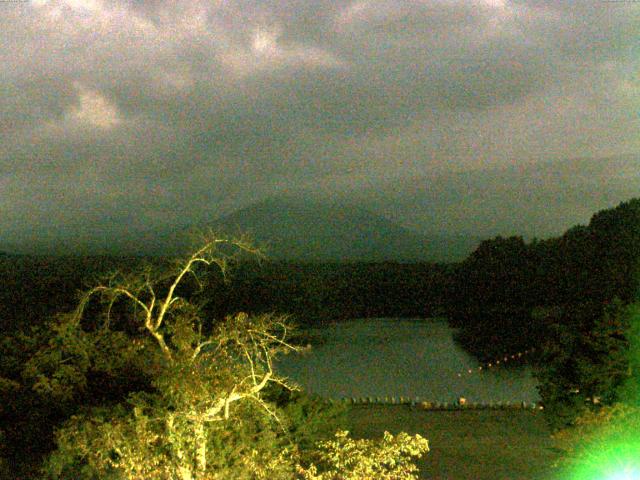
346	459
198	372
204	401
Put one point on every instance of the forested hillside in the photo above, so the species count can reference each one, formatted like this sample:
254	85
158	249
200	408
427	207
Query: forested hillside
569	295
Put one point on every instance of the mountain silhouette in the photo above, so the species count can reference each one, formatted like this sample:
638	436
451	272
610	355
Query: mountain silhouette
301	229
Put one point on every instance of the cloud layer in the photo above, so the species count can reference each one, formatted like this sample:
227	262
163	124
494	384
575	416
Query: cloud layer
129	115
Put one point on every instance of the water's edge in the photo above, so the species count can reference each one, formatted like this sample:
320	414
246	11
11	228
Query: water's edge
394	358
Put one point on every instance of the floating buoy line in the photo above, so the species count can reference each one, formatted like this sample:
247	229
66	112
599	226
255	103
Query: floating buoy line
423	404
497	362
459	404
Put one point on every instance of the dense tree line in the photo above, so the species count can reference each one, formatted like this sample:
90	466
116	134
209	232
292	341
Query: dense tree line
37	286
316	292
569	295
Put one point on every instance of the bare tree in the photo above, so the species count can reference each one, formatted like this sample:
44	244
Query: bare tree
207	378
201	370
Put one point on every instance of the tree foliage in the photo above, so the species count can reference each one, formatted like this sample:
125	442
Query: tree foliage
346	459
567	295
601	444
594	278
584	361
166	393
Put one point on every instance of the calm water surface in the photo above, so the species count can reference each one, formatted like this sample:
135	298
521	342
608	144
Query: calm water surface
400	357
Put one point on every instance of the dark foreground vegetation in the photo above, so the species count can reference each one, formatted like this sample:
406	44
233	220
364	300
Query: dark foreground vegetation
468	444
136	383
64	381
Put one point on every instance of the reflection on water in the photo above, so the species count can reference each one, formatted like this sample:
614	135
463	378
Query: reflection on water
399	357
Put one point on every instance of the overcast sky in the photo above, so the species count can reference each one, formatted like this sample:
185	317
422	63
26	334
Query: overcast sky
139	114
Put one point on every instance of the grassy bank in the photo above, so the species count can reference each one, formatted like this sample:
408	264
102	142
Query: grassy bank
467	444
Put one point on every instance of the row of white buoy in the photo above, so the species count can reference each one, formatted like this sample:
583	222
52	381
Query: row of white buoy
497	362
428	405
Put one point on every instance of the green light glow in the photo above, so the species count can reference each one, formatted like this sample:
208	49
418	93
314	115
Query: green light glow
626	474
606	460
612	452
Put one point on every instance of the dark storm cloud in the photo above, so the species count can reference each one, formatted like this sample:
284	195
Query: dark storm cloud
163	112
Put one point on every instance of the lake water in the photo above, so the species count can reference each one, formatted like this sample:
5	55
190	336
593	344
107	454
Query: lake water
400	357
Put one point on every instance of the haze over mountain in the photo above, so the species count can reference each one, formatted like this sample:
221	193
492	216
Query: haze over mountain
311	230
438	217
294	228
533	200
